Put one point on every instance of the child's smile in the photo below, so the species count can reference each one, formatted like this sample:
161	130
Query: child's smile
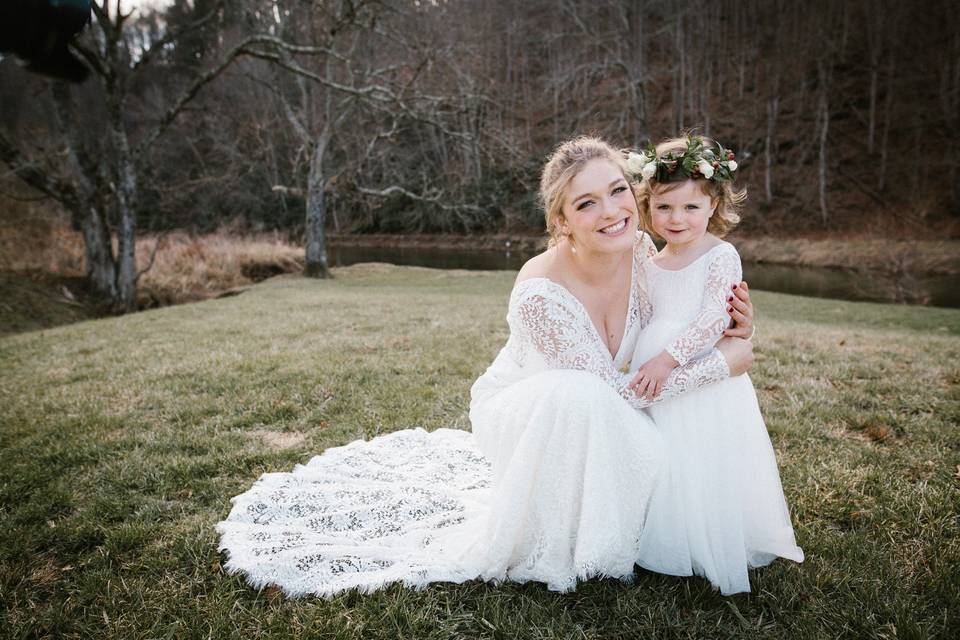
680	215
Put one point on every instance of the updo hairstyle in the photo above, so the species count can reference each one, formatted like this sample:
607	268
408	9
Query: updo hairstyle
564	164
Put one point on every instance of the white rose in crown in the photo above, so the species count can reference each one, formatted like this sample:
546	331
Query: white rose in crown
706	169
649	170
635	162
732	165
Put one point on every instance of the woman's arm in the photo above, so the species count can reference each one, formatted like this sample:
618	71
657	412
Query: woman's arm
559	335
737	352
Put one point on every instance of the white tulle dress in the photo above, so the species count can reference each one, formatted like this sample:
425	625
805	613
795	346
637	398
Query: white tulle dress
553	484
723	509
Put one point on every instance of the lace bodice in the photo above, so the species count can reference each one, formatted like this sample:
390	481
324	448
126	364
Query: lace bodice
551	329
688	305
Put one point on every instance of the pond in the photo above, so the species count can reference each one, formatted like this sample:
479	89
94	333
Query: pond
876	286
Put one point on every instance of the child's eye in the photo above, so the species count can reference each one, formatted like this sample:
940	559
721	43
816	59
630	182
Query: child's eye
693	206
584	205
662	207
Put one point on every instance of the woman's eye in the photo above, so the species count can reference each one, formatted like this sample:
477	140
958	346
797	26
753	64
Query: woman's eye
584	205
619	189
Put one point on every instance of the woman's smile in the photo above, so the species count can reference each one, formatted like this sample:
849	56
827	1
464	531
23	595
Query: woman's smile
616	228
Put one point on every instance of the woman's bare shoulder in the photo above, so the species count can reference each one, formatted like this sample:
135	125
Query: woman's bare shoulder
539	266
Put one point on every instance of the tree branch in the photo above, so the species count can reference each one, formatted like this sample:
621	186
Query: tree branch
153	256
188	94
171	36
54	187
433	198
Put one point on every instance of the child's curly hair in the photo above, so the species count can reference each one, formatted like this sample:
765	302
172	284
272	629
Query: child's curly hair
729	202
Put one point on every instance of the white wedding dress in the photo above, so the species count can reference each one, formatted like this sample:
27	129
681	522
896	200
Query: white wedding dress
723	509
553	484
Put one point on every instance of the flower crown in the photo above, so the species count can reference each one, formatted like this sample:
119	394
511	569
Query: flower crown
697	161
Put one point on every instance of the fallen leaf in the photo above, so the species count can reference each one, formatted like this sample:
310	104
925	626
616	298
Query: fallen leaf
273	593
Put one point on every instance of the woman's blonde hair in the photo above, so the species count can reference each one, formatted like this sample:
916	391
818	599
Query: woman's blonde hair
564	164
729	202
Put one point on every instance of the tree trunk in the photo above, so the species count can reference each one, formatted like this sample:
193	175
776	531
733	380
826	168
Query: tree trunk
872	115
773	106
316	241
680	82
705	100
87	210
885	136
98	253
875	41
637	75
126	198
824	127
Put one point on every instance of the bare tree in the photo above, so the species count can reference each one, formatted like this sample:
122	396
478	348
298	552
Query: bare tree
100	186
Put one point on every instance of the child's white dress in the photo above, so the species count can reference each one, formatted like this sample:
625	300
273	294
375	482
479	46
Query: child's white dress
722	509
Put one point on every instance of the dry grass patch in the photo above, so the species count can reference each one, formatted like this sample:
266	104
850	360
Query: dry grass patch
42	281
917	257
278	440
199	267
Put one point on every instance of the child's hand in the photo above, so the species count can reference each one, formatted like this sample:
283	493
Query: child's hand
651	375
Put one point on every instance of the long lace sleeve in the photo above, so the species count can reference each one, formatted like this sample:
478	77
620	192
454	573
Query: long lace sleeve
723	270
563	337
643	247
643	252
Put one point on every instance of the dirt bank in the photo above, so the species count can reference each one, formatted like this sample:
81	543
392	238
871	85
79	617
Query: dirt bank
917	257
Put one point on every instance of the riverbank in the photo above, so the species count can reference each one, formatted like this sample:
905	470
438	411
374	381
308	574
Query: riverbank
44	286
125	438
917	257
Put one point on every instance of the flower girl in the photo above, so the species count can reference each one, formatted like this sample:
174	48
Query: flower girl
722	510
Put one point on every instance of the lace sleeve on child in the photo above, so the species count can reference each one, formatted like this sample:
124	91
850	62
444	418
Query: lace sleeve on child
723	270
560	335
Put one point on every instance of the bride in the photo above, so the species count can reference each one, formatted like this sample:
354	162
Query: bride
554	482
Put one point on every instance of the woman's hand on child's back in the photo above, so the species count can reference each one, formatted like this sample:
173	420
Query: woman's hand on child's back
741	311
738	353
651	375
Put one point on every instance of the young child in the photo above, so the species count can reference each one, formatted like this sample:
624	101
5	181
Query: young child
723	509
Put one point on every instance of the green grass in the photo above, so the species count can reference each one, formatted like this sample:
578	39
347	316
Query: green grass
123	439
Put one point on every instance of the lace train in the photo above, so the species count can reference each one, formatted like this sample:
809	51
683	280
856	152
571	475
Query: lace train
563	497
361	515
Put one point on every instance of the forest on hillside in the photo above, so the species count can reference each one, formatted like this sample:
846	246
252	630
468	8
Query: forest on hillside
402	116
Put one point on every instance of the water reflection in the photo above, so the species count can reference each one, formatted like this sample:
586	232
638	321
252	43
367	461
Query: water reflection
942	291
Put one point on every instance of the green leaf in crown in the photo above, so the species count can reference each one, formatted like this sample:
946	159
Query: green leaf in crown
696	162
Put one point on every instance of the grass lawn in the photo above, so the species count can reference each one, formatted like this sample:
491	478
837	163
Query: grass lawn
123	439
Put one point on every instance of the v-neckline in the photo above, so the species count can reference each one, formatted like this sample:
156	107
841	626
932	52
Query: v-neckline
586	314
